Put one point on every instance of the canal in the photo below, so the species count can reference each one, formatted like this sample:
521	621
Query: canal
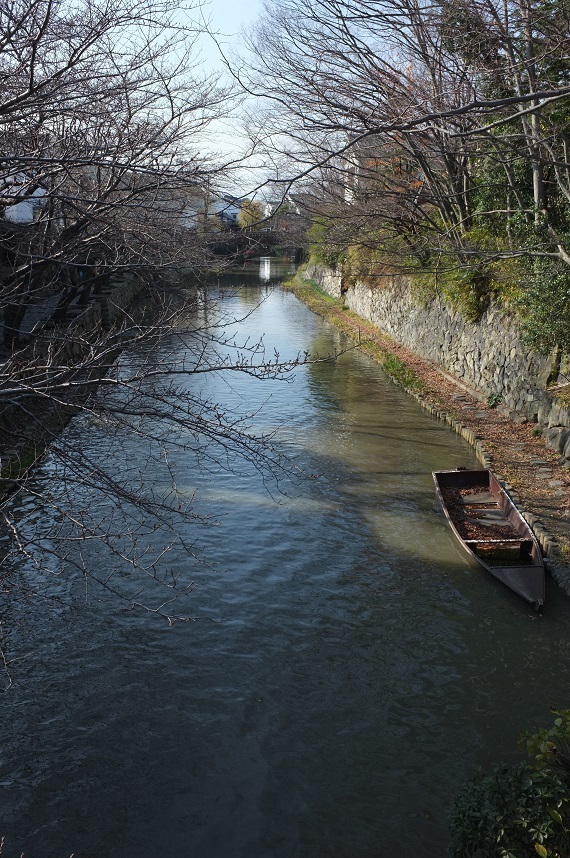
346	671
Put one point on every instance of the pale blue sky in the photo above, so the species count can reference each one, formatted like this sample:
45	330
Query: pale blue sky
227	19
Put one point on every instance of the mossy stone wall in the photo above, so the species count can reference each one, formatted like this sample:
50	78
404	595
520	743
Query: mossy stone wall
486	357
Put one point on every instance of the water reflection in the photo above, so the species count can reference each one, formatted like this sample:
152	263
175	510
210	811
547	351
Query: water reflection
271	268
356	672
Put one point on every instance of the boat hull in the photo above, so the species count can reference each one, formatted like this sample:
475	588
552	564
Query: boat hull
491	530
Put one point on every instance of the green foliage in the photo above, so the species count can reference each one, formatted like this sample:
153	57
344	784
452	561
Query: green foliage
464	32
467	286
499	254
468	289
544	305
401	373
510	813
509	275
365	262
308	290
494	399
551	746
562	396
250	214
324	247
465	276
492	192
521	810
360	264
458	204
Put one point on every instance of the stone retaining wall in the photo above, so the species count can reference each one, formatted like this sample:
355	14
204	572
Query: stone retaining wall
487	357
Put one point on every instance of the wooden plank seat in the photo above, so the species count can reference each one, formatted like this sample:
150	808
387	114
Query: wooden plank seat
502	549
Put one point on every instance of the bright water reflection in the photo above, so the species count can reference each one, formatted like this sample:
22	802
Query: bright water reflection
357	672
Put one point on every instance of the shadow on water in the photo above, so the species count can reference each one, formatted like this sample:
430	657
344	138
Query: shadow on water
356	672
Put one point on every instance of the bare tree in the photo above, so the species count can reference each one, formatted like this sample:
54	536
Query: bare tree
104	185
149	398
101	113
439	121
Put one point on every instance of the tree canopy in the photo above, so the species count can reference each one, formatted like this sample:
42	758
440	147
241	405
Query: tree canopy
105	187
437	136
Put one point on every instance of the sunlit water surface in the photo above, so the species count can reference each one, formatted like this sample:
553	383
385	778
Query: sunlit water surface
354	670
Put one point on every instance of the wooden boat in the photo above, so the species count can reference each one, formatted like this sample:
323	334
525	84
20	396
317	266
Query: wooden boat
492	531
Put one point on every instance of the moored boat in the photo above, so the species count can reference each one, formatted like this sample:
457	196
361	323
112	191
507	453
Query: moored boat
492	531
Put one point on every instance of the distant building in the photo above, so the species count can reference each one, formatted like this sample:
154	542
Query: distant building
22	200
290	216
370	168
226	209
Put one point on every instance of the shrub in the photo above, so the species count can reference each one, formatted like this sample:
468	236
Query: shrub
521	810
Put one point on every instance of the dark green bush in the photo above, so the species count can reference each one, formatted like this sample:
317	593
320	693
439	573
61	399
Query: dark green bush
520	810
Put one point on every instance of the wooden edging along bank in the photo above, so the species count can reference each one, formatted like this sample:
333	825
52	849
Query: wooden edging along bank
546	540
382	349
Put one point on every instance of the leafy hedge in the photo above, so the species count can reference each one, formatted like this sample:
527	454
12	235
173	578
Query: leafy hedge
520	810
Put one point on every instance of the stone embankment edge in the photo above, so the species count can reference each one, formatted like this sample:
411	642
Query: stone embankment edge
546	540
312	295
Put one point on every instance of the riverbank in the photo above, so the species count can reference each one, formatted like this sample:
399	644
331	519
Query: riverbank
23	439
536	476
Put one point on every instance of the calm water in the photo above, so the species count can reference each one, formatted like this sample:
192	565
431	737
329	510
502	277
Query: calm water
353	671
